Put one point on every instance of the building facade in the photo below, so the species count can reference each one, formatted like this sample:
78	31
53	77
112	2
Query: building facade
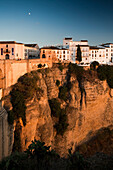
31	51
103	53
13	50
73	45
55	54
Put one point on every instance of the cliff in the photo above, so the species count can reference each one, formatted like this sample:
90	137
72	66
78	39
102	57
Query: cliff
88	107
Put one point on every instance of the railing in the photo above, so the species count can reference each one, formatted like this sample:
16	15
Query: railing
7	51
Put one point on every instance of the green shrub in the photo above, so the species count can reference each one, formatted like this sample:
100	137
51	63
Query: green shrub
39	65
63	93
18	103
56	111
17	138
94	64
16	161
76	161
39	150
57	82
106	73
102	72
10	117
60	67
62	124
77	70
55	107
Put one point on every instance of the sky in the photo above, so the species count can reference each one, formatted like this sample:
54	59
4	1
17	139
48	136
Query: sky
47	22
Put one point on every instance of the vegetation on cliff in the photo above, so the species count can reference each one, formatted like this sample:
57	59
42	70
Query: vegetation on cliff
21	92
38	156
56	111
41	157
105	72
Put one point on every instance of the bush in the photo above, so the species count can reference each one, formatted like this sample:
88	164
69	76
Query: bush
60	67
39	65
39	150
57	82
56	111
10	117
18	103
17	138
94	64
102	72
76	161
106	73
62	125
63	93
55	107
77	70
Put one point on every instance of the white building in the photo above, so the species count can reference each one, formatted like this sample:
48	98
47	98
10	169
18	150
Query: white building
73	45
31	51
17	51
109	51
103	54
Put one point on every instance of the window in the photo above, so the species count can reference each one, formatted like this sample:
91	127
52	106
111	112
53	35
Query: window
106	54
43	56
111	54
107	50
1	51
6	46
43	51
12	51
6	50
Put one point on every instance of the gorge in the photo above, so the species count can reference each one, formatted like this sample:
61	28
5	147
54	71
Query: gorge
85	107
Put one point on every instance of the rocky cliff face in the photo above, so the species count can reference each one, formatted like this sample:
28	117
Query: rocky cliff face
87	110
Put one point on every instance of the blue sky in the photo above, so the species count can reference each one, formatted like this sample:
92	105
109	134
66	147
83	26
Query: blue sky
52	20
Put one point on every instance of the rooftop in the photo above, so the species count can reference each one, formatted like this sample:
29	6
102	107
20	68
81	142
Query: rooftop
84	40
68	38
9	42
53	48
96	47
30	45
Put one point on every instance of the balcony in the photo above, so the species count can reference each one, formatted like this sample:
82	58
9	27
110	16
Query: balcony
6	51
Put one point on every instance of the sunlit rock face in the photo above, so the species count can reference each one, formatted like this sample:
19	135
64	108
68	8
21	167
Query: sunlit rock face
87	111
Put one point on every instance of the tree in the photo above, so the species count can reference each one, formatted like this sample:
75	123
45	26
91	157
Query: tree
94	65
79	57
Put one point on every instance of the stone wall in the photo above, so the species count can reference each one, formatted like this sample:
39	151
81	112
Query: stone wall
11	70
